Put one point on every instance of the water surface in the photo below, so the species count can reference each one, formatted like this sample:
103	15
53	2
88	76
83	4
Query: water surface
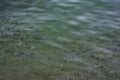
59	40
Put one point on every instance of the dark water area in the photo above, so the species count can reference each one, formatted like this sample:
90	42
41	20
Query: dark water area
59	39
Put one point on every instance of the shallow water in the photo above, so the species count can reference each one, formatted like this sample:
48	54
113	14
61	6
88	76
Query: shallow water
59	40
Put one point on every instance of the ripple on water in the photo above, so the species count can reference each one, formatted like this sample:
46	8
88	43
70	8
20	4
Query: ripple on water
82	18
66	39
77	32
103	50
67	32
54	44
75	23
34	9
91	31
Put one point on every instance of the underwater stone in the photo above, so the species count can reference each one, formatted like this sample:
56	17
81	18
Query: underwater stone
20	54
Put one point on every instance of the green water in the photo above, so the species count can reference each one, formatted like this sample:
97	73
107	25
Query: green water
59	40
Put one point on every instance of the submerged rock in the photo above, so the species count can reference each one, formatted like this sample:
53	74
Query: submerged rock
31	54
20	54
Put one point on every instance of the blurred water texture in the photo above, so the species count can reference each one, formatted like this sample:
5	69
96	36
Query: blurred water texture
59	40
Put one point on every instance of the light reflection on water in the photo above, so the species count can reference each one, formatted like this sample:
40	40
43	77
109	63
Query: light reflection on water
59	39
